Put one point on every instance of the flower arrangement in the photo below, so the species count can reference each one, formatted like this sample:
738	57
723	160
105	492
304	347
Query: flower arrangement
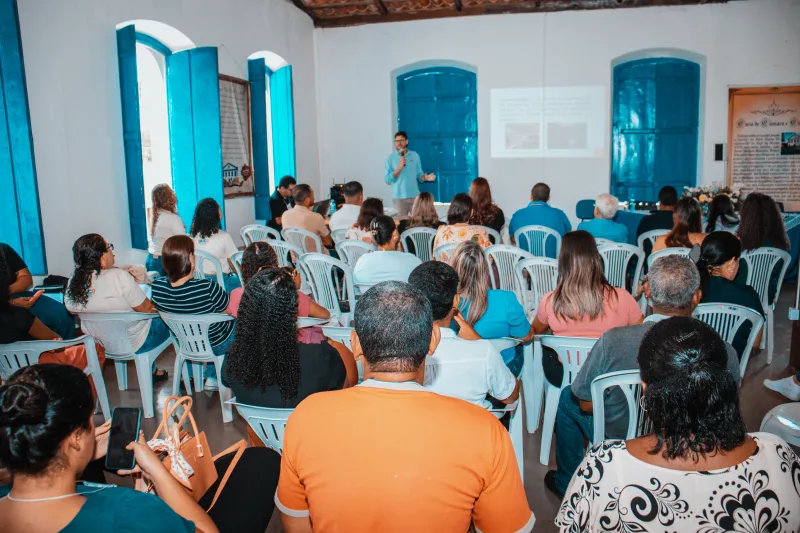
706	193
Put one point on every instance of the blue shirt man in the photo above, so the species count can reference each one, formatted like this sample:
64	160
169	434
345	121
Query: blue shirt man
540	213
602	226
403	171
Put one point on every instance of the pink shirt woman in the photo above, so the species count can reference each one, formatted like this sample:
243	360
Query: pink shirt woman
312	335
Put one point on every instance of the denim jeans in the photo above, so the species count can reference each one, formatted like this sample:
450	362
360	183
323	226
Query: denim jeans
153	264
572	427
52	314
515	364
230	281
219	349
159	332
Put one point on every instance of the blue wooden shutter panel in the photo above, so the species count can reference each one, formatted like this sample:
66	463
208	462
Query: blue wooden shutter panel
282	114
256	71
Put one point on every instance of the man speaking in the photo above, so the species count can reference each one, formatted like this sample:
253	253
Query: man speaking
403	171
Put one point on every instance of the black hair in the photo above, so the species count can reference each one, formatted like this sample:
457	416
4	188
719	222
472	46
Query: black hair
460	209
668	195
371	208
394	324
438	281
718	248
206	221
265	350
86	253
687	218
382	228
256	256
691	398
40	406
721	207
402	134
540	192
7	277
301	192
761	223
286	182
352	189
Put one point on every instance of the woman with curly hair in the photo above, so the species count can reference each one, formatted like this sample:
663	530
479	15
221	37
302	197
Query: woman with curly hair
98	286
698	469
164	223
687	229
761	223
371	208
209	238
266	366
484	211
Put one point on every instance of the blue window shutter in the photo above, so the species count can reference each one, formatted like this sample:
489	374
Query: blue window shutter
258	126
194	128
132	135
282	107
19	195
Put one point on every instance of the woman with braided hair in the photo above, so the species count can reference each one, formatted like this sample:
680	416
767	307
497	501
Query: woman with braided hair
386	264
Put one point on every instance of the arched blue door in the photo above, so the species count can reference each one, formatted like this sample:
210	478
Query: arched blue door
437	107
654	127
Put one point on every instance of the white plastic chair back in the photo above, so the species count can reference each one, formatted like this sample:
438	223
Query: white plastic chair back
303	239
515	432
651	237
288	253
495	235
339	235
422	239
784	421
258	232
200	258
665	252
536	238
617	257
504	343
726	319
268	424
445	252
602	242
350	251
630	383
541	275
342	334
236	259
761	264
505	258
319	268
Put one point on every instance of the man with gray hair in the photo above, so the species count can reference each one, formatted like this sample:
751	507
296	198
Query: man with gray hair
602	226
673	288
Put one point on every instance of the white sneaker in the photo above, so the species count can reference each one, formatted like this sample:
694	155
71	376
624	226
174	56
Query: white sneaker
211	384
785	386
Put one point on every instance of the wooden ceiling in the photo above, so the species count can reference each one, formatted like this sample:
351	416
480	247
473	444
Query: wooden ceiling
333	13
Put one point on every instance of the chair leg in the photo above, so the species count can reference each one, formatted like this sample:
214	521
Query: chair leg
533	385
515	432
187	381
549	423
122	374
102	393
180	371
144	371
198	369
763	343
225	393
770	334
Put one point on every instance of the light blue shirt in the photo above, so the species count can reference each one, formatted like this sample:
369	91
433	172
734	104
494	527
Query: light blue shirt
406	184
375	267
540	214
504	317
601	228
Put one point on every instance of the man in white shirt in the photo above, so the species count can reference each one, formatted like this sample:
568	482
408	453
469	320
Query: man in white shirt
346	216
461	368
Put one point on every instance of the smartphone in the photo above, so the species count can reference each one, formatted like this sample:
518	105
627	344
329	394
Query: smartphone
125	425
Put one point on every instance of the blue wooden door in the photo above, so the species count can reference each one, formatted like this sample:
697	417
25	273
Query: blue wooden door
654	127
437	107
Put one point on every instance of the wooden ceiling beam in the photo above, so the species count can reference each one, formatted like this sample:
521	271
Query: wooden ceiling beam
459	5
381	7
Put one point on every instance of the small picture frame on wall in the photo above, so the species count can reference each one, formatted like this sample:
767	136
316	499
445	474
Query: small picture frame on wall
237	159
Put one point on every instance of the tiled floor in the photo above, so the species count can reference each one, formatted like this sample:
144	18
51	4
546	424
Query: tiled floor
756	401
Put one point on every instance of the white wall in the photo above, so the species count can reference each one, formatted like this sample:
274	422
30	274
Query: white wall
744	43
73	91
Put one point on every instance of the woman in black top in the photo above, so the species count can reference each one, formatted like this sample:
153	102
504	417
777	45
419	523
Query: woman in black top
718	265
484	211
266	366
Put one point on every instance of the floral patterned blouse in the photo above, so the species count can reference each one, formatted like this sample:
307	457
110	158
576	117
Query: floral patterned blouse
614	491
454	233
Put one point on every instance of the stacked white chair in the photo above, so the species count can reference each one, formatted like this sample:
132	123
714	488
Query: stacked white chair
536	238
350	251
339	235
202	257
236	259
630	383
445	251
26	353
665	252
494	234
320	271
422	239
727	319
505	258
303	239
651	237
617	258
269	424
258	232
111	330
761	264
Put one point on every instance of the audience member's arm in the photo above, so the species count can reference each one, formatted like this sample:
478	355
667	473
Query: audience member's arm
290	498
514	395
349	363
465	331
23	282
296	525
145	307
327	241
317	311
537	328
41	332
502	382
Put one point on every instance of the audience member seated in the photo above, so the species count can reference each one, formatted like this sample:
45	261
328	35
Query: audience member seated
406	459
259	256
466	369
491	312
97	286
687	229
423	215
360	230
761	224
50	312
164	223
281	201
458	228
661	219
48	442
209	238
722	215
673	287
698	469
180	292
484	211
346	216
301	216
602	226
584	304
540	213
718	265
385	264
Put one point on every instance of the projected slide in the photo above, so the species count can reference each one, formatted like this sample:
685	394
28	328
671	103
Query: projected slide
548	122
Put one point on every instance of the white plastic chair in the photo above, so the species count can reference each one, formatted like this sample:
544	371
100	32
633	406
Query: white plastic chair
665	252
504	343
111	330
761	264
200	258
617	257
339	235
445	252
422	239
536	238
190	335
514	431
506	257
258	232
236	259
532	377
303	239
26	353
542	277
651	237
572	351
726	319
602	242
350	251
784	421
289	256
630	383
319	268
342	334
495	235
268	424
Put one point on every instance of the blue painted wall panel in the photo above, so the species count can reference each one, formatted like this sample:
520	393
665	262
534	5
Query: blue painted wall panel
256	71
282	115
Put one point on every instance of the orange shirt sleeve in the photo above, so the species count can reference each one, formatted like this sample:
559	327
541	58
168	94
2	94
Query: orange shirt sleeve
290	497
